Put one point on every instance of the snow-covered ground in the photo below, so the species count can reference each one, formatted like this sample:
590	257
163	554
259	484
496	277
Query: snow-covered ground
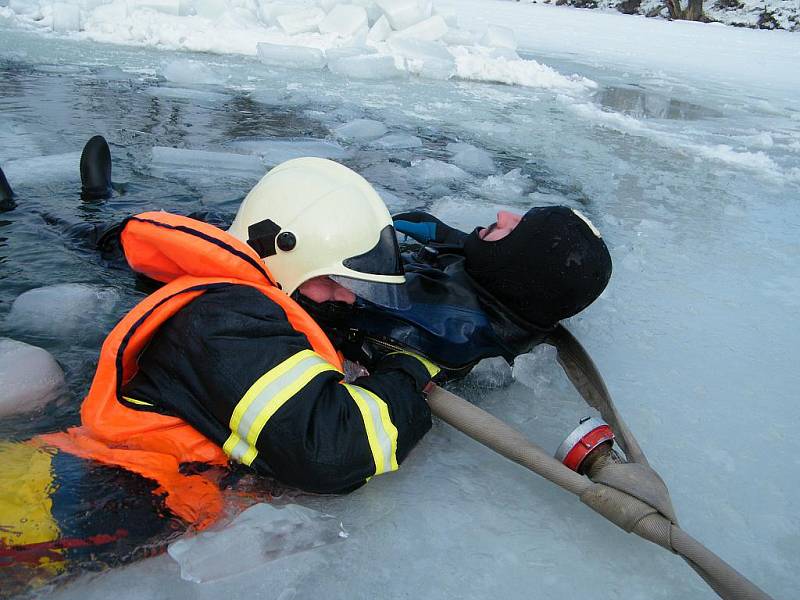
680	140
761	14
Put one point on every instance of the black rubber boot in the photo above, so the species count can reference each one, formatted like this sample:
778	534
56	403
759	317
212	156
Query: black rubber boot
96	169
6	193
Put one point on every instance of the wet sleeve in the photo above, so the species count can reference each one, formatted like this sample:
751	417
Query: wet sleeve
231	365
426	228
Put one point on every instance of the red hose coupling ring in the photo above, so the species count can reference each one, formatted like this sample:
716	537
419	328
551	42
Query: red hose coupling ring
582	440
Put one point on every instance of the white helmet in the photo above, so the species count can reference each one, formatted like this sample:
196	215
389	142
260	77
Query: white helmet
309	217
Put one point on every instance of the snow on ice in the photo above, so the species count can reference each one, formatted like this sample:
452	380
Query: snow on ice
297	35
695	336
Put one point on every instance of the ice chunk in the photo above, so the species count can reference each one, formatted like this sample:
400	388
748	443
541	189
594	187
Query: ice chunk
471	159
269	11
169	160
88	5
458	37
327	5
260	534
29	377
374	11
505	53
491	373
418	49
348	51
448	13
430	29
170	7
66	17
64	310
360	129
210	9
392	201
25	7
505	187
190	72
398	141
430	170
425	58
499	37
301	21
380	30
344	20
274	152
369	66
403	13
42	169
534	370
290	57
467	212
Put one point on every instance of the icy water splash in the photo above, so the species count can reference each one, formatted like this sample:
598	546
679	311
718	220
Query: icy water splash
696	335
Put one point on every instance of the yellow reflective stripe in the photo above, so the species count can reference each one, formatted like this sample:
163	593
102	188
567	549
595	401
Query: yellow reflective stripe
237	449
280	399
433	369
263	382
265	397
381	432
135	401
388	427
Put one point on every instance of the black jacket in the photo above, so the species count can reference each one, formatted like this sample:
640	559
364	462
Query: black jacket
233	345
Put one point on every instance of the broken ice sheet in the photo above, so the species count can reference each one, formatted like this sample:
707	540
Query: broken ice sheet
260	534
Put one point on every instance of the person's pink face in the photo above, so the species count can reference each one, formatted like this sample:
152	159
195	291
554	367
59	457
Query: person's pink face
505	224
324	289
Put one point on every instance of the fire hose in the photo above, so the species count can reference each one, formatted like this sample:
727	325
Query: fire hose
629	494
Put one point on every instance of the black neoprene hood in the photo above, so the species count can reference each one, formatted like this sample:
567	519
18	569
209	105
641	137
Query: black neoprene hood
550	267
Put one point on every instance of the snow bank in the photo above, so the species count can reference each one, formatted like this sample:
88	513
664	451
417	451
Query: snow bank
407	35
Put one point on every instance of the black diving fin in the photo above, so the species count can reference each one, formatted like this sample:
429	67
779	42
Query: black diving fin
6	193
96	169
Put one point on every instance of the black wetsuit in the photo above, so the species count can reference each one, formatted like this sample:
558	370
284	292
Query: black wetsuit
448	317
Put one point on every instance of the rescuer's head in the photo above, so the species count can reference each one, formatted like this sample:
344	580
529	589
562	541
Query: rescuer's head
312	218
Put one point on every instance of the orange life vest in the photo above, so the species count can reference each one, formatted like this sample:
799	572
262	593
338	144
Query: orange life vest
189	256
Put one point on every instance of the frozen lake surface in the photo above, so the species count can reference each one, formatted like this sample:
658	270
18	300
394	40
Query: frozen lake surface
692	173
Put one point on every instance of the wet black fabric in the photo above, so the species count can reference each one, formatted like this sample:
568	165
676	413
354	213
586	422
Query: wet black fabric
550	267
92	501
6	193
95	168
447	320
203	360
444	234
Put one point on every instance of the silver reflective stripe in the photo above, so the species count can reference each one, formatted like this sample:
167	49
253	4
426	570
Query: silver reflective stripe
239	450
270	391
382	436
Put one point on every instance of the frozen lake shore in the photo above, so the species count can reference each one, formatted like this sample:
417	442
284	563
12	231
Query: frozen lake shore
691	169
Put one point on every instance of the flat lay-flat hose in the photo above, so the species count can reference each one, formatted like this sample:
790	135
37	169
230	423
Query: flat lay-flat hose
623	493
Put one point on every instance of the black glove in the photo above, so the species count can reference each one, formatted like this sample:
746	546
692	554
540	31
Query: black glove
426	228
